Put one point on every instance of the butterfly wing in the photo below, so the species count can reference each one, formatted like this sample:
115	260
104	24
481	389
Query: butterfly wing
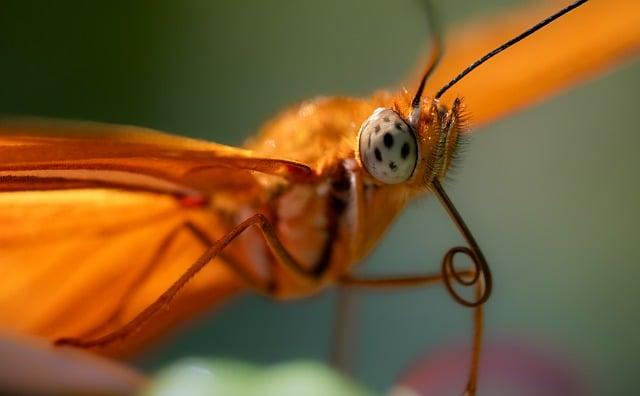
48	154
85	206
579	45
69	257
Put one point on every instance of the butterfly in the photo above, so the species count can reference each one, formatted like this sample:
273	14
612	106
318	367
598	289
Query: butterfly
180	181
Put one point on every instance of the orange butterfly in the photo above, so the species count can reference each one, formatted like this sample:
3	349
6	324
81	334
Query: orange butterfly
133	208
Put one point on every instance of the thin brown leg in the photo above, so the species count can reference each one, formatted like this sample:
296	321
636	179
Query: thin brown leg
281	254
343	338
398	282
401	282
199	234
480	276
134	285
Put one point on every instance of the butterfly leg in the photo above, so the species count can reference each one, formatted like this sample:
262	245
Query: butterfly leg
214	249
401	282
200	235
479	275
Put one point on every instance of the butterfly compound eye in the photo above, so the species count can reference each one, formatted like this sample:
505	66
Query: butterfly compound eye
388	147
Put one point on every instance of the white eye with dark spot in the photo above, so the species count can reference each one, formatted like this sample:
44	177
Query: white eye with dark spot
388	147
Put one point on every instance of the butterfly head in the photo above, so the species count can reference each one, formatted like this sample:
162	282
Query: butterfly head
396	146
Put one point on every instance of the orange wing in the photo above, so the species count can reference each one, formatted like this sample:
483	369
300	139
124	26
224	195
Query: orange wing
68	257
47	154
577	46
85	206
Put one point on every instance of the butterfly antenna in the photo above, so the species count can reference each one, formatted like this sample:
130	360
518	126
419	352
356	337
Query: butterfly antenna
436	54
508	44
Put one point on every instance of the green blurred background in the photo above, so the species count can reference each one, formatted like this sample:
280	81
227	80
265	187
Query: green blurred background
552	194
